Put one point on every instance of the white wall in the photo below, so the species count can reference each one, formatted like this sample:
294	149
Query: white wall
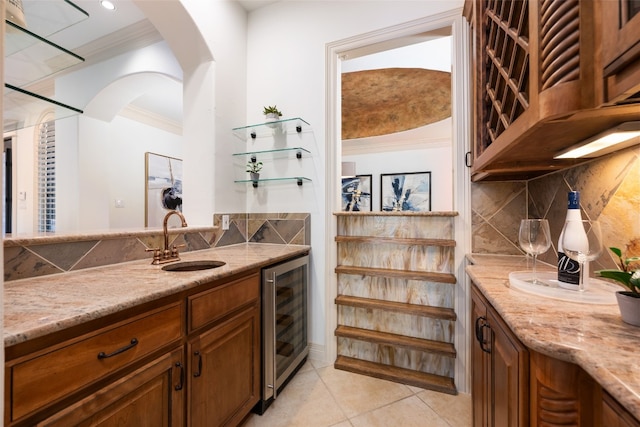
426	149
116	151
223	25
286	66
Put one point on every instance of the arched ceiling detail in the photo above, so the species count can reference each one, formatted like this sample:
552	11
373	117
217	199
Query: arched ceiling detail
384	101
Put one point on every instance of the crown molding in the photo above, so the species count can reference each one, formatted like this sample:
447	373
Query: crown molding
135	36
152	119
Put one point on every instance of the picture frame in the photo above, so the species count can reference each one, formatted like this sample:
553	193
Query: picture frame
356	193
408	191
163	187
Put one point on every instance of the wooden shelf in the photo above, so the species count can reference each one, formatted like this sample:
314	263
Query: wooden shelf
385	338
400	307
396	241
401	375
399	274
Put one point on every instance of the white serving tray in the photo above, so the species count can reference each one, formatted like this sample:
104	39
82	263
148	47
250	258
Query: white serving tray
596	291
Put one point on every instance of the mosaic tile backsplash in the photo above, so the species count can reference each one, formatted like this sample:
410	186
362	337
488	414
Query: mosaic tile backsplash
25	258
609	192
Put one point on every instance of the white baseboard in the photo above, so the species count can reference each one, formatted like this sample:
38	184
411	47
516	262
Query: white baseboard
318	353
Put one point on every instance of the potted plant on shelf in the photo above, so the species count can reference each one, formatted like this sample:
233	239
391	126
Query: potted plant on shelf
628	275
254	167
272	113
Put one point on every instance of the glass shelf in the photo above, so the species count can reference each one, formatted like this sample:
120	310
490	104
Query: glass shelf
299	179
46	18
30	57
34	57
23	108
295	124
299	152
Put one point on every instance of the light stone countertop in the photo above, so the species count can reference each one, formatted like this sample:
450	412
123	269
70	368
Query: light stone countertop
591	336
39	306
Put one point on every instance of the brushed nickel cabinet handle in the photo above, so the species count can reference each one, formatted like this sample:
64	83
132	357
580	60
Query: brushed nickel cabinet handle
133	343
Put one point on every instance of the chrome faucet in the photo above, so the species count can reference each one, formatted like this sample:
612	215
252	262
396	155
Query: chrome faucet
167	254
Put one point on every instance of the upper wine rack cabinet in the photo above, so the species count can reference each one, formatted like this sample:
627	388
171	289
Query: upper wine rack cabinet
506	61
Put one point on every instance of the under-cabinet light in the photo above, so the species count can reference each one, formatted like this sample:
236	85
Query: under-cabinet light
622	136
108	5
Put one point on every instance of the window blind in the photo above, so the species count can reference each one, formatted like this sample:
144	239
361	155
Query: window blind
47	177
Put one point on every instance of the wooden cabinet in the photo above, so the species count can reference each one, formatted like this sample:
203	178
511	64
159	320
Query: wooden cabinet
539	84
225	365
44	378
133	370
621	49
500	369
563	394
614	415
516	386
224	380
151	396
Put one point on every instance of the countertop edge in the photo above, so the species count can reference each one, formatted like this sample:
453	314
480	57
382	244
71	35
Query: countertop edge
74	302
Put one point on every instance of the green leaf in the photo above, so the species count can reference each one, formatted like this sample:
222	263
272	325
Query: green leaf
616	251
617	275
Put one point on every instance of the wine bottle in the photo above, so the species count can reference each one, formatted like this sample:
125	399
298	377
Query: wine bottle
568	269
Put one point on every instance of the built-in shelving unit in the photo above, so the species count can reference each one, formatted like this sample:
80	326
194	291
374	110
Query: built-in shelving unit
396	293
30	57
270	140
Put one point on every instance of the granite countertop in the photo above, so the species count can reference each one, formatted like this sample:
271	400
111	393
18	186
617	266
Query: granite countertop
591	336
39	306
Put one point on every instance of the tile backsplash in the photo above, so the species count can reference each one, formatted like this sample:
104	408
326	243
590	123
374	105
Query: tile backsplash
609	191
31	257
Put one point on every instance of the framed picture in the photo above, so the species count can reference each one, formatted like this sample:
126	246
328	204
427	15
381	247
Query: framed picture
356	193
163	187
409	191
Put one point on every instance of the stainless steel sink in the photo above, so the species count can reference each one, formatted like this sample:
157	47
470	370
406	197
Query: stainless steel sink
193	265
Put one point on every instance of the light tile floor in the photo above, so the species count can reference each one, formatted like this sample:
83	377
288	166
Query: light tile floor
321	396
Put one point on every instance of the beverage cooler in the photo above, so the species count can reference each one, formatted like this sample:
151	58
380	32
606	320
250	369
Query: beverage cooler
285	346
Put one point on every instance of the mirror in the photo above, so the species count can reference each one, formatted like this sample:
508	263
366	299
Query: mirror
132	102
405	68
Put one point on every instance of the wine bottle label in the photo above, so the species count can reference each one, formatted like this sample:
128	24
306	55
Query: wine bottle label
568	269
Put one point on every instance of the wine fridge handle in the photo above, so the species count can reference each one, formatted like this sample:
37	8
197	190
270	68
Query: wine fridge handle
275	343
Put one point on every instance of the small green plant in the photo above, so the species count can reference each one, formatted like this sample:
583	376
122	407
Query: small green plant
254	167
272	110
626	275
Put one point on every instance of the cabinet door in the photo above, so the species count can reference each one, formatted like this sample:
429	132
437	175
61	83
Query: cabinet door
225	371
509	373
479	360
151	396
621	47
614	415
563	394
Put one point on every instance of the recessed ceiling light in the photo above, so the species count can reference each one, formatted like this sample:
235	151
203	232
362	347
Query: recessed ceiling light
108	5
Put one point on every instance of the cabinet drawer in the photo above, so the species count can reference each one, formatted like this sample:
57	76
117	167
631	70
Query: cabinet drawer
209	306
58	373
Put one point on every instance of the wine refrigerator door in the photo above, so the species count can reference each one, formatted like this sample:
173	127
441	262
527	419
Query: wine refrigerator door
285	310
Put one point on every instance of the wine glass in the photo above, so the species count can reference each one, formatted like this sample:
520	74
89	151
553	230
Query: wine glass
582	242
534	238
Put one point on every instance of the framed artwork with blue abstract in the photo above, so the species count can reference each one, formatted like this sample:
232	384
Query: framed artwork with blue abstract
163	187
410	191
356	193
